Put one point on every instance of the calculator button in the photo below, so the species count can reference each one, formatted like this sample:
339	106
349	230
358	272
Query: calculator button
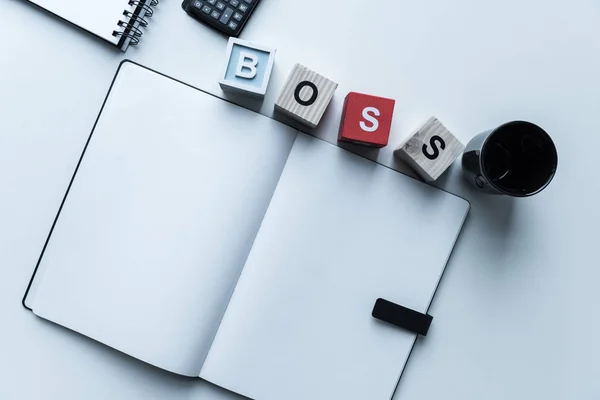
233	25
234	3
198	4
243	8
220	6
215	15
211	2
237	16
248	1
226	15
206	10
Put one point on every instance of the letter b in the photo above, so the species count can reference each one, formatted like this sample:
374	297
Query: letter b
246	67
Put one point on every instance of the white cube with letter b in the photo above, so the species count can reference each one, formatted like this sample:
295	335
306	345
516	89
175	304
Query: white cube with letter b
248	68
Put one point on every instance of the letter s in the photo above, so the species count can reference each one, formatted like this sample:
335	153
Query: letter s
366	114
436	152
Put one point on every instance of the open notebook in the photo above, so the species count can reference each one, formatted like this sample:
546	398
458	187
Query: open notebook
119	22
214	242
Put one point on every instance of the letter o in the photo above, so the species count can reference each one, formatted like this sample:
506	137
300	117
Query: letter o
313	98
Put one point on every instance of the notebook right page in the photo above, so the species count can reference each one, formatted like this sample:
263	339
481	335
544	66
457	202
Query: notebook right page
340	232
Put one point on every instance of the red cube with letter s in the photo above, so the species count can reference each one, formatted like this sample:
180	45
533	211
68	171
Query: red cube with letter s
366	120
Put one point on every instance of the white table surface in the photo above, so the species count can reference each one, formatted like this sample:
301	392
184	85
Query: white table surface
516	314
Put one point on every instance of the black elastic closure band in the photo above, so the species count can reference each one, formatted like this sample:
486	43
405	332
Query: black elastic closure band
402	317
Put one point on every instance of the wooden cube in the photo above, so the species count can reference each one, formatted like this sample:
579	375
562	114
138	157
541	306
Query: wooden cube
305	96
366	120
248	68
431	150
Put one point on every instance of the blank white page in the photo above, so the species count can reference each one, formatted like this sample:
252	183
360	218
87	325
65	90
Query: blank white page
339	233
99	17
159	221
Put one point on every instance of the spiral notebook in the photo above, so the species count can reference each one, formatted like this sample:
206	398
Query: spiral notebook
214	242
120	22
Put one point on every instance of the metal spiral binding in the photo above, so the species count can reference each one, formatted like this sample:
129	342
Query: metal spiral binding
131	30
148	10
133	17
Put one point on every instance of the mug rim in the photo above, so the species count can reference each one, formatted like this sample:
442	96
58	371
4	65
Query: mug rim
493	133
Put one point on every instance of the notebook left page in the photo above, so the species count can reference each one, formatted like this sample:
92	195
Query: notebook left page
100	17
159	220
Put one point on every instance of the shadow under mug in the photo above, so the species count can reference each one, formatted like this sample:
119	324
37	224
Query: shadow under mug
517	159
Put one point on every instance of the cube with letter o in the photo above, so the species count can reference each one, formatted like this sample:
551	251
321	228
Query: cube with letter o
305	96
366	120
248	69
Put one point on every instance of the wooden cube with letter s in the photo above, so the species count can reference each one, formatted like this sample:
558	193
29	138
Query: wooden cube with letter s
431	150
305	96
366	120
248	68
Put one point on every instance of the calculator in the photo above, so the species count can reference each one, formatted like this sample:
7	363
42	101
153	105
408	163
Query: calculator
226	16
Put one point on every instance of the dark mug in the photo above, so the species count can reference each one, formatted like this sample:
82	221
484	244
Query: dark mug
517	159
